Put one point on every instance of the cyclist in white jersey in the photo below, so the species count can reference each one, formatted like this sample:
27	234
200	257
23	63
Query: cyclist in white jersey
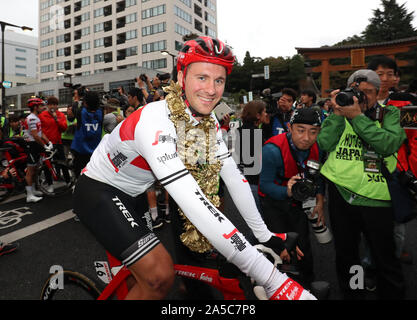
177	141
36	143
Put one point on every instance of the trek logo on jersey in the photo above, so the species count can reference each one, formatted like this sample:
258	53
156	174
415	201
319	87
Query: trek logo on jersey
125	212
235	239
163	138
212	209
166	157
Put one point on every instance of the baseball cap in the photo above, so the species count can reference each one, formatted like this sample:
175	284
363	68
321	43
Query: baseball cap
306	116
365	75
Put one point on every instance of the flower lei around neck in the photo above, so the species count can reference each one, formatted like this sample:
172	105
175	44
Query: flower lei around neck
204	169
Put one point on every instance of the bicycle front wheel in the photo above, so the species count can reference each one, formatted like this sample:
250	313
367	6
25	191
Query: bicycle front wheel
69	285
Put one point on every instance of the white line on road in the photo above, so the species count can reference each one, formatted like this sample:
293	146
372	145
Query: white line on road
36	227
14	198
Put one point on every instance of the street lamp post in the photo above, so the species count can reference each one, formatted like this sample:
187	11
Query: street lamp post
66	85
166	53
3	89
66	75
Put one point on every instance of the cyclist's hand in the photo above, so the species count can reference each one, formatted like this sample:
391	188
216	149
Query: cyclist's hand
285	256
300	254
291	290
276	243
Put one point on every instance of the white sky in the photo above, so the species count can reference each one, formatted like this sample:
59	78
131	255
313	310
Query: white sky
263	27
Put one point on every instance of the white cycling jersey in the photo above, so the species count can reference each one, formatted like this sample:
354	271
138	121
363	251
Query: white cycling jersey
32	122
144	146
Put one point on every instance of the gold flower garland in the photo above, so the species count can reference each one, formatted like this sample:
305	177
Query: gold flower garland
205	172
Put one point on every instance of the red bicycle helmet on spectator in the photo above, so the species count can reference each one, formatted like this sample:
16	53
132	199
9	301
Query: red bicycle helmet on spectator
205	49
32	102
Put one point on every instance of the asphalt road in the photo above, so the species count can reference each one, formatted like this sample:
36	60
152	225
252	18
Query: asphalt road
48	235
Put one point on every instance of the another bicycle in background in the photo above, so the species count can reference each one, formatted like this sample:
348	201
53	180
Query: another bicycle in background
13	166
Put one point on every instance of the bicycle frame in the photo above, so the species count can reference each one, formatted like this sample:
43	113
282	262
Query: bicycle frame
229	287
47	160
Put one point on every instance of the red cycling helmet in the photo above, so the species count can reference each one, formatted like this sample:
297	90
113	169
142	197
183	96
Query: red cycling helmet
32	102
205	49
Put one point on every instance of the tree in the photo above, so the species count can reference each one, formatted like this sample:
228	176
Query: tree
391	23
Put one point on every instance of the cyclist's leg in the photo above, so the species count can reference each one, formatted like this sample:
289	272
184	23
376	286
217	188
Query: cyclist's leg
122	225
153	274
192	289
33	151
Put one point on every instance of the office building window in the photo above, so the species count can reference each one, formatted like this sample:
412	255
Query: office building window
131	18
182	14
99	27
132	34
153	12
85	31
155	64
155	28
98	12
181	30
132	51
99	57
186	2
85	46
47	68
98	42
130	3
47	55
154	46
85	60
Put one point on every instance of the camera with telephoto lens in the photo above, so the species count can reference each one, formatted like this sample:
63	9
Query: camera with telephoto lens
345	98
307	187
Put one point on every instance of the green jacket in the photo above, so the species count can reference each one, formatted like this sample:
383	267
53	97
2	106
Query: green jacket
385	141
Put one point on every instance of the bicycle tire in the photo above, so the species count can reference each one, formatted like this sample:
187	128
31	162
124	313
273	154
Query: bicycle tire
60	186
74	283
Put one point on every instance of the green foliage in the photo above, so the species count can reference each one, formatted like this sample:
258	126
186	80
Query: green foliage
284	72
391	23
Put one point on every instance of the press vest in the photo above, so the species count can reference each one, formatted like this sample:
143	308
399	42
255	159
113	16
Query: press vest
290	164
345	167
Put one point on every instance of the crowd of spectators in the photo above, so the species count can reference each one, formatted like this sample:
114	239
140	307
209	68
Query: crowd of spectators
362	149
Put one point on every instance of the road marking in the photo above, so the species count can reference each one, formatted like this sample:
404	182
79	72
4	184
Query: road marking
13	198
36	227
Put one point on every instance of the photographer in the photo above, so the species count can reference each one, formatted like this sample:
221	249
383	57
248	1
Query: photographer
282	113
360	136
149	94
89	130
284	160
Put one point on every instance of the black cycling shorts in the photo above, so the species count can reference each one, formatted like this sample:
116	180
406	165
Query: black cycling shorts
120	222
33	151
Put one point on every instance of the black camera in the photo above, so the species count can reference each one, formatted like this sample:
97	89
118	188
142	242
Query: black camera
345	98
408	180
307	187
143	77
